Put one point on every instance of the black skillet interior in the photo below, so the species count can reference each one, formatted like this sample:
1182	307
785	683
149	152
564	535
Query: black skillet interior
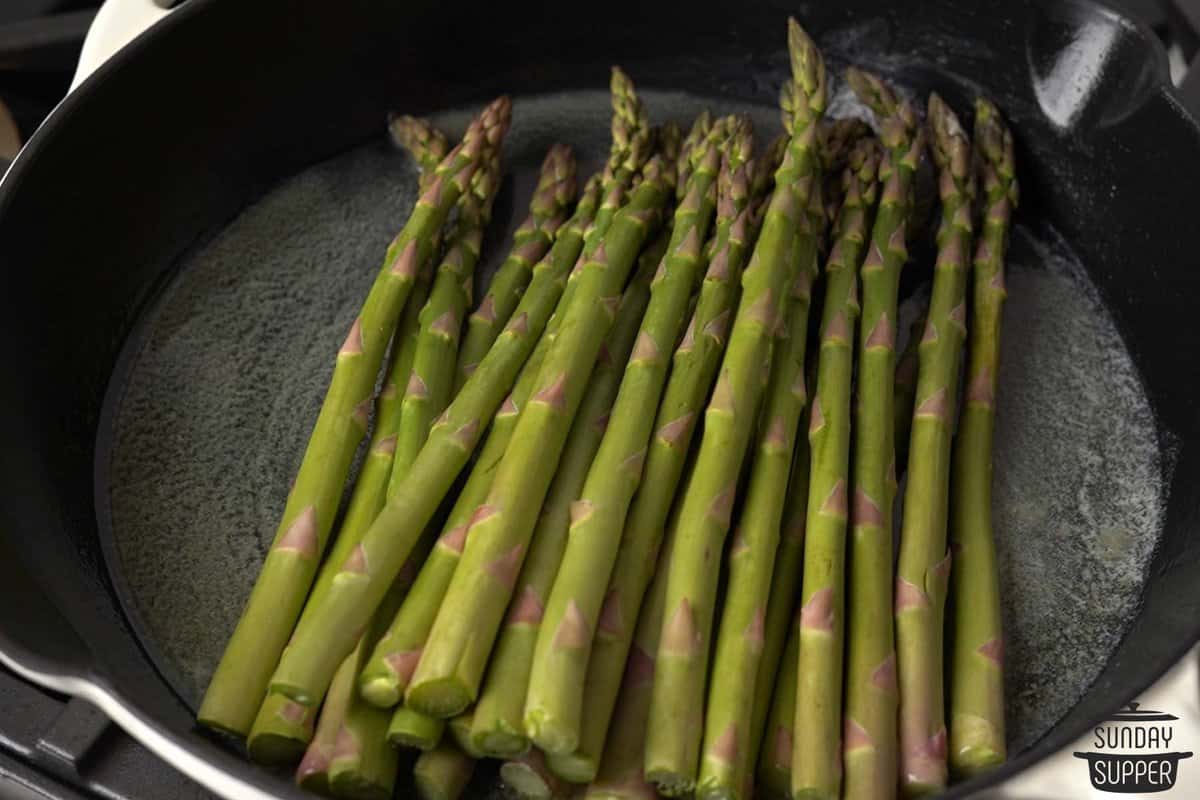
172	138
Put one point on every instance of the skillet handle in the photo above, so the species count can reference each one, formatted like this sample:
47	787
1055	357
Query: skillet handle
117	23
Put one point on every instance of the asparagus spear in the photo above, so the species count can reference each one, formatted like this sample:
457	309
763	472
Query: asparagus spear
870	658
619	774
692	373
425	143
283	728
443	773
556	682
547	211
838	138
459	729
367	764
775	685
816	761
976	672
385	677
668	143
240	681
728	760
498	730
409	728
700	130
364	765
448	676
432	378
313	772
528	776
386	674
391	666
673	741
325	632
923	565
906	388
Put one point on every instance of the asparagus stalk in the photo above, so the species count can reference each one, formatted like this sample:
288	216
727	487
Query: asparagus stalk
762	177
387	672
668	143
364	765
728	758
313	772
923	565
816	761
673	741
409	728
283	726
448	677
547	212
838	138
383	680
976	671
528	776
695	364
425	143
775	757
459	729
700	130
619	774
240	682
775	685
274	740
443	772
869	760
432	378
498	730
325	632
556	683
906	388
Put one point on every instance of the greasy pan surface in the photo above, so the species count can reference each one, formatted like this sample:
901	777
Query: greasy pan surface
156	156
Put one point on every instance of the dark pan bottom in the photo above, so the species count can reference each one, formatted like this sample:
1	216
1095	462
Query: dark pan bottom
223	382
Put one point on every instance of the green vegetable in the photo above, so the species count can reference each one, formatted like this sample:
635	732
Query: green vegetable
673	741
240	682
976	665
870	694
923	566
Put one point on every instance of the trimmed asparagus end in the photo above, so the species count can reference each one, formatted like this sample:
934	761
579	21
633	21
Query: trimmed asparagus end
975	760
574	767
381	692
548	734
671	783
276	748
440	697
530	777
502	742
355	786
410	728
443	774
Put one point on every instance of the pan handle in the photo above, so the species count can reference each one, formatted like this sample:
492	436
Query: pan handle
117	23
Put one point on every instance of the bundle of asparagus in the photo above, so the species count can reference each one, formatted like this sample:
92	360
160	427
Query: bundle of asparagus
564	615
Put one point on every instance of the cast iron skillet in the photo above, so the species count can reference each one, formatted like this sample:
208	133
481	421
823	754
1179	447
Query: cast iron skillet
168	140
